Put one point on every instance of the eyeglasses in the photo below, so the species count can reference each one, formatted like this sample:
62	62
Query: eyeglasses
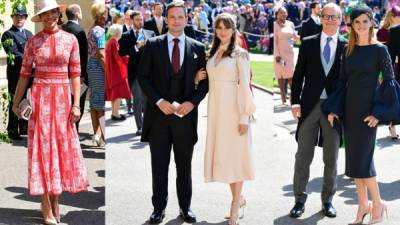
330	17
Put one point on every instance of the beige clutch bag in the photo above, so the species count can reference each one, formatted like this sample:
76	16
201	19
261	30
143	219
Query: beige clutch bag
25	106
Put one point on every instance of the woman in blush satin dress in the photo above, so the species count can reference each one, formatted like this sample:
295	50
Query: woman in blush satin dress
228	155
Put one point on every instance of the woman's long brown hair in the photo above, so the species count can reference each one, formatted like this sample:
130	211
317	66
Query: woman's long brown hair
229	23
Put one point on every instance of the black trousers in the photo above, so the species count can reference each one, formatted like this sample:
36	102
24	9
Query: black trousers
82	100
178	133
15	126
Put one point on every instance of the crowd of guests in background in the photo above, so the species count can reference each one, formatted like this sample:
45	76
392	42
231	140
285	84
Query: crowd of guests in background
254	18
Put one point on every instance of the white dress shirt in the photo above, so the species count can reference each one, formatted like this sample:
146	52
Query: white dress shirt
171	43
316	19
159	23
332	45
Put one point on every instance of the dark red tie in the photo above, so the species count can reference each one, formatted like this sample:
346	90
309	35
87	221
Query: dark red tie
176	57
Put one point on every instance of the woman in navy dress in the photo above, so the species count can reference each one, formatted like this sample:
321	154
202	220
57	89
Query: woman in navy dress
363	107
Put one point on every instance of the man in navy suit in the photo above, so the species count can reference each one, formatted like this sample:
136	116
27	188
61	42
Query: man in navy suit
312	25
74	15
157	23
131	44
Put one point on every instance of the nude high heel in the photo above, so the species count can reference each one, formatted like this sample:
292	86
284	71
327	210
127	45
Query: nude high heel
55	208
360	221
242	206
46	219
234	217
380	219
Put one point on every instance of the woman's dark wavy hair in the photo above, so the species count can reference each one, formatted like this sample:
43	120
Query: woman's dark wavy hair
228	22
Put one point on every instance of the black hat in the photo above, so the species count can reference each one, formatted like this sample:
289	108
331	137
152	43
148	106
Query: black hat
19	10
359	10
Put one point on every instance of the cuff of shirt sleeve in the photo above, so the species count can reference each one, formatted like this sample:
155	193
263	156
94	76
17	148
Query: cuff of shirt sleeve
295	105
159	101
244	119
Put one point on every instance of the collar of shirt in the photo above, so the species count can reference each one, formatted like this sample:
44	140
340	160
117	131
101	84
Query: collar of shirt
332	43
325	36
181	38
74	21
19	29
136	30
158	19
316	19
171	38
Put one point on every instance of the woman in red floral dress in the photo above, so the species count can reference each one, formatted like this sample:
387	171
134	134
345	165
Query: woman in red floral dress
55	161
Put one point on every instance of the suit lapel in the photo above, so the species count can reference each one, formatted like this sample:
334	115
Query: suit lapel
132	33
188	60
317	46
165	54
155	26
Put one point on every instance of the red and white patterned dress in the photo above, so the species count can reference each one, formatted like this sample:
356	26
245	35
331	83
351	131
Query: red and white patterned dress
55	161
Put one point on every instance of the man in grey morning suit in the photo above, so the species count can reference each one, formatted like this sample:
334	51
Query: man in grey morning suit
317	67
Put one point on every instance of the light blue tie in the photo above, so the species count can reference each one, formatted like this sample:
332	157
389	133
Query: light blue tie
327	50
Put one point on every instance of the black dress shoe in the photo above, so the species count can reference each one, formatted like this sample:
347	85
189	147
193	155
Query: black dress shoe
139	132
188	216
157	217
130	111
120	118
15	137
328	210
297	210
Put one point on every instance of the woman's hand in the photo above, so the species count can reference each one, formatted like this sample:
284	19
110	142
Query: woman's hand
75	114
16	110
371	120
200	75
243	129
332	117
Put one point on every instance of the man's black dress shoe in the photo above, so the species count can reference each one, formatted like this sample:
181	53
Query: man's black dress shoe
15	137
328	210
188	216
139	132
157	217
297	210
120	118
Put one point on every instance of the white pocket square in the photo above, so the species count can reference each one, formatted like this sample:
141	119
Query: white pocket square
195	56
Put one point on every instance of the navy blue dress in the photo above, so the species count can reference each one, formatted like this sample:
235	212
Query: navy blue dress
358	95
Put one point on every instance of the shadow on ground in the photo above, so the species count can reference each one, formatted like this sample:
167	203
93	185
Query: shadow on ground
346	189
10	216
287	220
91	200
